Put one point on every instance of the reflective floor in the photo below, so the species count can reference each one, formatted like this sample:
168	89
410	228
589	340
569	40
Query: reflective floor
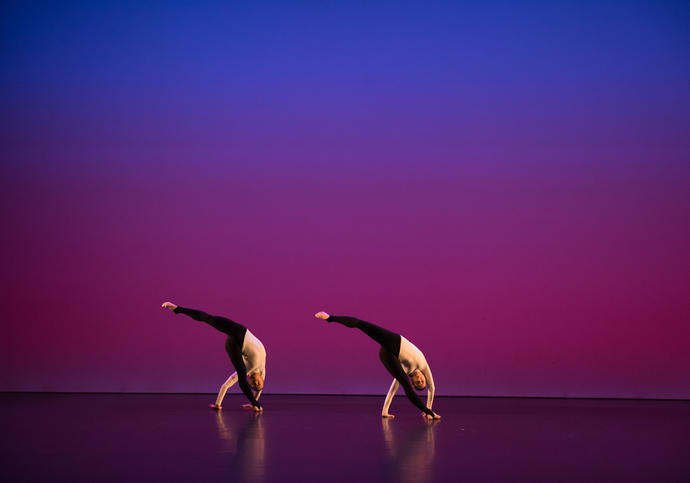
98	437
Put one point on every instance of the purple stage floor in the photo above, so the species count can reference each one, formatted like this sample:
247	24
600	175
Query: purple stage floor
100	437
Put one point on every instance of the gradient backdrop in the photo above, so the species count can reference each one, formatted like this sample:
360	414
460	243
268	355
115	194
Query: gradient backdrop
507	185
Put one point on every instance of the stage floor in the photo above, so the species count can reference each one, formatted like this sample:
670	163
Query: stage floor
107	437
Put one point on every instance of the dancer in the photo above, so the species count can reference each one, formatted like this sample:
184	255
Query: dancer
401	358
246	352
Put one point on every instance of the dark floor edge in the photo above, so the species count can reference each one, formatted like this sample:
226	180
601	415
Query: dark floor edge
340	395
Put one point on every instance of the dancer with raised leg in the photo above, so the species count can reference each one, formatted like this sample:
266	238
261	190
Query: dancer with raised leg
402	359
246	352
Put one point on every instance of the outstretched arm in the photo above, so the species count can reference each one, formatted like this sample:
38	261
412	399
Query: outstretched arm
389	399
223	389
431	389
263	376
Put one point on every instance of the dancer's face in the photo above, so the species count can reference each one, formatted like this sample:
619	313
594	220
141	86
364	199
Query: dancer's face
418	380
256	382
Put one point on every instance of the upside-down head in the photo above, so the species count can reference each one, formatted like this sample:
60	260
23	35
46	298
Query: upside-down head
418	380
256	381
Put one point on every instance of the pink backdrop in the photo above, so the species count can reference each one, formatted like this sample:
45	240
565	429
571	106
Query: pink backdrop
513	196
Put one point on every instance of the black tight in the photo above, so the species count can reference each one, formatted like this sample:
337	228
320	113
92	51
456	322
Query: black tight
389	353
226	326
388	340
233	344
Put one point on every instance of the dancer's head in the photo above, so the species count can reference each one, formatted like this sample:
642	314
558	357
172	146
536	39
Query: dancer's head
256	381
418	380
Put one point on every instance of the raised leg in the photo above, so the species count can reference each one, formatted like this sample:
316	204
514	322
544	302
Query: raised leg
388	340
222	324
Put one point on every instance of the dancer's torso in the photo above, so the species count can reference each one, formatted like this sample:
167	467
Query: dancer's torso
254	354
411	357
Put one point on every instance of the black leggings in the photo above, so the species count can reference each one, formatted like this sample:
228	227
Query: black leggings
389	353
233	344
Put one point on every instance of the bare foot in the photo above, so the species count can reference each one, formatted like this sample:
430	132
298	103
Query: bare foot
215	406
169	305
321	315
429	417
388	416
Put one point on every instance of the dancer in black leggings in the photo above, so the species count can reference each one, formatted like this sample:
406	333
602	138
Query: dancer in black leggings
401	358
246	353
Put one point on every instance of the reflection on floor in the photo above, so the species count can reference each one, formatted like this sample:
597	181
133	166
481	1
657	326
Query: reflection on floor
100	437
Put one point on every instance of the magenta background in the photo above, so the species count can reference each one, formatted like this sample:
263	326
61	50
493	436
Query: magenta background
508	187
